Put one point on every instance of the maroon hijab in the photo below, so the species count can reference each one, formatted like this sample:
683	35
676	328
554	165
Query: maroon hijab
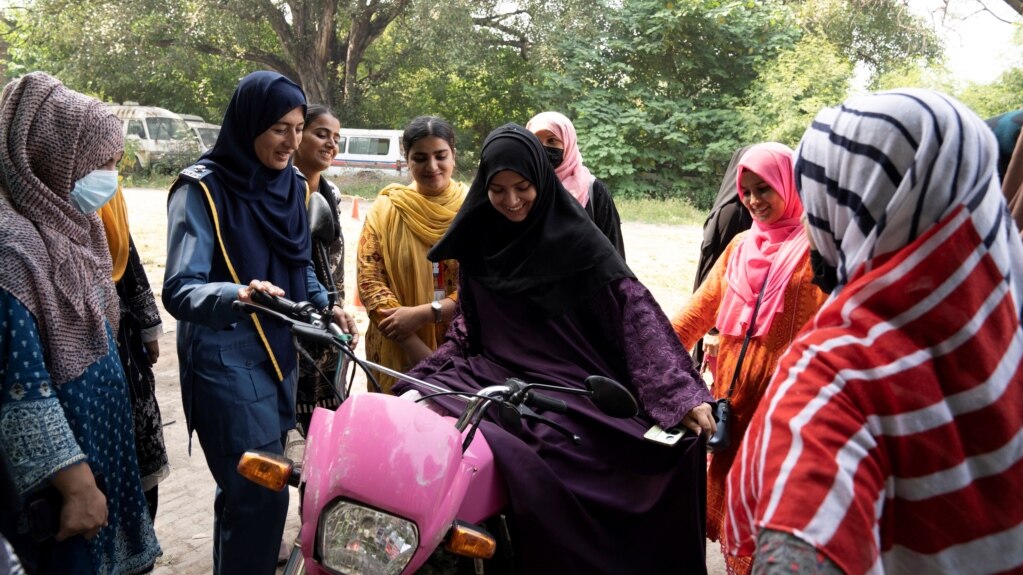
53	258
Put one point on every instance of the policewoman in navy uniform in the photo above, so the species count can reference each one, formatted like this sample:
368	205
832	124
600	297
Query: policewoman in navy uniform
237	223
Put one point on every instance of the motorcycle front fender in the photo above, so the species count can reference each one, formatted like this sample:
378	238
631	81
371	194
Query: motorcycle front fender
390	454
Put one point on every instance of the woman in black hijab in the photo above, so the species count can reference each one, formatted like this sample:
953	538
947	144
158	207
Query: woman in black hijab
546	298
237	223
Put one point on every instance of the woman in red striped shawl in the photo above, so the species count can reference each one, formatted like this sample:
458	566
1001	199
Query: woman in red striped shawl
891	437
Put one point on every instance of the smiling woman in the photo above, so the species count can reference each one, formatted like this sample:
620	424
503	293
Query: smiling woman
409	299
237	224
320	138
275	146
511	194
543	296
757	295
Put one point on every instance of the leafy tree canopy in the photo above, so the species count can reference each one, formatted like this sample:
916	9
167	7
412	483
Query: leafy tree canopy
661	91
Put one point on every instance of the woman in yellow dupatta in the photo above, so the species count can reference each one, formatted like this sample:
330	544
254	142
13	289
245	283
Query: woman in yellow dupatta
409	299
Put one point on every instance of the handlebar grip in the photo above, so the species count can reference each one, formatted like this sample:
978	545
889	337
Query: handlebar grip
545	403
273	302
282	305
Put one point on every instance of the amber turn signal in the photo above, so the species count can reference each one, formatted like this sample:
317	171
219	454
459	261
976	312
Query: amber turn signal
267	469
470	541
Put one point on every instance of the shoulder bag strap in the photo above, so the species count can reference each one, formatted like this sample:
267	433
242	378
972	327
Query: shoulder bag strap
749	334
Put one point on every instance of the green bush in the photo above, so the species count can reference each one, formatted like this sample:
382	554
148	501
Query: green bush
673	211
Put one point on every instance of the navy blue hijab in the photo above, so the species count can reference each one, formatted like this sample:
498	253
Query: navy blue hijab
261	211
275	198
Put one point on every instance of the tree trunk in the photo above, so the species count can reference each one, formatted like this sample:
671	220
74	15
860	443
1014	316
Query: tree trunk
1016	5
369	21
309	43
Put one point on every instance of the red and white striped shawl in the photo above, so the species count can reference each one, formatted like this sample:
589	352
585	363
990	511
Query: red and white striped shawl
915	457
891	437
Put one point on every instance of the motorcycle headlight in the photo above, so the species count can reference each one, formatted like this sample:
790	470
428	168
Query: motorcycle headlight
357	540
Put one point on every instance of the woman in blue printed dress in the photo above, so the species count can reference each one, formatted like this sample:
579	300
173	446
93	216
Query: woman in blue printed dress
65	417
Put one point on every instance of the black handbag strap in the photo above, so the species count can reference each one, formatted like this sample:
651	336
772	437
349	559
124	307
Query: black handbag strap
749	334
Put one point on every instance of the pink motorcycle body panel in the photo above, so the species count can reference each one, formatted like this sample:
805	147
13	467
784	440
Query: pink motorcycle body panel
401	458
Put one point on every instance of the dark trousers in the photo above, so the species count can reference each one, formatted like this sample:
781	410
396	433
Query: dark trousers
248	520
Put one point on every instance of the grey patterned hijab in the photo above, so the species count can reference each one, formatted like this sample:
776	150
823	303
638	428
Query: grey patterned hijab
53	258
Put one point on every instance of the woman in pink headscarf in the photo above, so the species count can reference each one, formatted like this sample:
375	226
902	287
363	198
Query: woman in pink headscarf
557	134
772	257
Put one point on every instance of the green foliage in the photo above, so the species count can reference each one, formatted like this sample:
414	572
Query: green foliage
915	75
120	51
1000	96
794	87
661	91
880	34
655	97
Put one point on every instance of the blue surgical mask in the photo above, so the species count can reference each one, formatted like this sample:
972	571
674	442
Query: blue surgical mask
94	190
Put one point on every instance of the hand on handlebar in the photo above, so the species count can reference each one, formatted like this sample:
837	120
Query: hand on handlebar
346	322
245	293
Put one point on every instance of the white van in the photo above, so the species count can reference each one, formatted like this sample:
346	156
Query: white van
378	150
156	135
204	131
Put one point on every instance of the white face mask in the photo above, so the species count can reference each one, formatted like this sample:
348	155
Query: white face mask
94	190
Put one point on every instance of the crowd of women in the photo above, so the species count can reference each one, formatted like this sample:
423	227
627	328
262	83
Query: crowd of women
864	335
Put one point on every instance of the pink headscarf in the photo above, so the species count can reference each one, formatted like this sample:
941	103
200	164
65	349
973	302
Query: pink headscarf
572	173
776	248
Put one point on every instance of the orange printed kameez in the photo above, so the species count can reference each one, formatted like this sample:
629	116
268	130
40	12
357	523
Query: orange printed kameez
392	268
697	317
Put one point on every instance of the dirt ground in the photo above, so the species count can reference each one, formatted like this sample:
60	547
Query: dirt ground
663	258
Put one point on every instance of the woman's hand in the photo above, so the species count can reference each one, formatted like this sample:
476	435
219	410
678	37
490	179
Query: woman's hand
347	324
700	419
152	350
415	350
401	322
84	511
245	293
711	344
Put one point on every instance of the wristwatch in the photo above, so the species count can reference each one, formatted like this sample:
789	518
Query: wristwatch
437	316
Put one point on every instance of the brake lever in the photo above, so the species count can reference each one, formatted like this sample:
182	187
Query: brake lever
527	413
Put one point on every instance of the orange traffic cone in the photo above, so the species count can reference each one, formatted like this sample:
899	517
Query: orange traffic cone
355	212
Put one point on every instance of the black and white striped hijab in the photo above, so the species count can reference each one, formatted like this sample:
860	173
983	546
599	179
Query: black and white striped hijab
881	169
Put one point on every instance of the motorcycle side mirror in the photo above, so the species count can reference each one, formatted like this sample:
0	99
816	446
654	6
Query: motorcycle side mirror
611	397
321	221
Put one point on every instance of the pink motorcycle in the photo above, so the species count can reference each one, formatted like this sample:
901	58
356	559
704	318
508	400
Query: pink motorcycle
388	485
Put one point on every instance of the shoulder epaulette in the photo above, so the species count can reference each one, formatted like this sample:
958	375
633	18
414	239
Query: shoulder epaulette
195	172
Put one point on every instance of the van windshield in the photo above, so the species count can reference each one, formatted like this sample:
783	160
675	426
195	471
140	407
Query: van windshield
167	129
208	136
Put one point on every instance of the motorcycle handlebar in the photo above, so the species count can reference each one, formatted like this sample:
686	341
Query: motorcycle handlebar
306	322
283	305
545	403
